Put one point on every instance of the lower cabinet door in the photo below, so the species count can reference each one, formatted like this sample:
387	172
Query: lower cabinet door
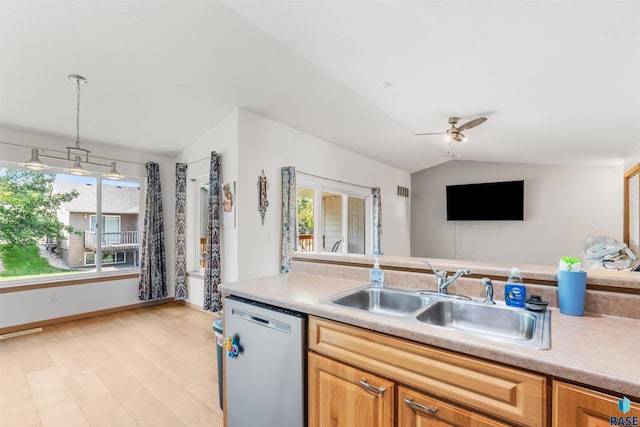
575	406
419	410
340	395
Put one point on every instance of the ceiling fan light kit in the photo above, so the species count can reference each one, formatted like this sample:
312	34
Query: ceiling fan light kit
455	133
75	153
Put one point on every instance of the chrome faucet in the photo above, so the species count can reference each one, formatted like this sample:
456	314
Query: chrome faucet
488	291
441	277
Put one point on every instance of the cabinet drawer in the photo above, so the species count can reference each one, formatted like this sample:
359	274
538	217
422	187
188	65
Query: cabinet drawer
419	410
495	389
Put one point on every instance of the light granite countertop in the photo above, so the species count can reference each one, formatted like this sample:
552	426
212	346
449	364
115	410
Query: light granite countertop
596	350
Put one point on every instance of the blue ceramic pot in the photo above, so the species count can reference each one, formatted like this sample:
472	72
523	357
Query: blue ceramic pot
572	287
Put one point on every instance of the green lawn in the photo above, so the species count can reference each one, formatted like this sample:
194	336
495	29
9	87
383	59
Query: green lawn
25	261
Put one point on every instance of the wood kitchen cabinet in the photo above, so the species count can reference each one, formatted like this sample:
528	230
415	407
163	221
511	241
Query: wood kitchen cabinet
340	395
580	407
421	410
470	386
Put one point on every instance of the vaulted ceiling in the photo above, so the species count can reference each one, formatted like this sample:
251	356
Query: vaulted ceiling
558	80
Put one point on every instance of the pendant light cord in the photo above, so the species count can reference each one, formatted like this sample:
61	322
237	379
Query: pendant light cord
78	115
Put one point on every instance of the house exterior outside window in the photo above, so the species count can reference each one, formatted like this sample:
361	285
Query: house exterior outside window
100	227
118	231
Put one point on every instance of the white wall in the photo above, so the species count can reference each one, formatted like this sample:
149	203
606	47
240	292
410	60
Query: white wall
633	158
563	204
34	305
269	145
17	308
249	143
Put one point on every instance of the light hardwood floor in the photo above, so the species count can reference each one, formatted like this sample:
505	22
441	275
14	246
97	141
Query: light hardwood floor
154	366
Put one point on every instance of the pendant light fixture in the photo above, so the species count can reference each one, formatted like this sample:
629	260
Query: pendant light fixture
75	152
113	172
77	168
34	163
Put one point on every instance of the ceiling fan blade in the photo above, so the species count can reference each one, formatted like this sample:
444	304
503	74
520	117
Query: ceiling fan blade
437	133
460	137
473	123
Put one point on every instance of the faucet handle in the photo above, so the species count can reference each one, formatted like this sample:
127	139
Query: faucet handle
488	290
426	261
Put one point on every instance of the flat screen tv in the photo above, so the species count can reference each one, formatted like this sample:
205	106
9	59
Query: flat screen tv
489	201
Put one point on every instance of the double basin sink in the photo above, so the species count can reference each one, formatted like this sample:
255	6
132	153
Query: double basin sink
496	322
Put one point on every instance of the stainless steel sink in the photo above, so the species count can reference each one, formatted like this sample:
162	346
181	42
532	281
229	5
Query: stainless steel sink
386	301
496	322
501	323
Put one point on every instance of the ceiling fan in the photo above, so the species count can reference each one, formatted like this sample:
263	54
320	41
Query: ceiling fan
455	133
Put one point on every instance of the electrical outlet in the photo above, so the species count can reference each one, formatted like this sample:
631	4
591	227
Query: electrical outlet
54	297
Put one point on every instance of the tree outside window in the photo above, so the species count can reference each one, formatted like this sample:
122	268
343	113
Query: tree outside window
28	215
305	215
51	224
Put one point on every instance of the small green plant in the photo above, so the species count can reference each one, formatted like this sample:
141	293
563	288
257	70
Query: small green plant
570	261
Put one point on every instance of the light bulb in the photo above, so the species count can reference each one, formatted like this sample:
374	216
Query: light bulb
77	168
34	163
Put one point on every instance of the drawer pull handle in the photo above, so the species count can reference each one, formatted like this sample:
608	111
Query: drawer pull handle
373	388
429	410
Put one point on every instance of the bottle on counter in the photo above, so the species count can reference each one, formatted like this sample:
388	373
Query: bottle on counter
376	275
514	290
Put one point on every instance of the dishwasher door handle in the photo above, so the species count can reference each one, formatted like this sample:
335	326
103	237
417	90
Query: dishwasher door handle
261	320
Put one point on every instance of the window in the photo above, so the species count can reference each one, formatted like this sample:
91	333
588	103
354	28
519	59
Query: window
110	228
203	196
110	258
333	217
59	224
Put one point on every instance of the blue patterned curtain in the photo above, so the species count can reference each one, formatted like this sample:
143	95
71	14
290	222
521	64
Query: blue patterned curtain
212	297
153	272
289	217
181	231
377	221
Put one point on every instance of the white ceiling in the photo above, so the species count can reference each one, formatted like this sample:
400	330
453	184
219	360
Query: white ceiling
559	80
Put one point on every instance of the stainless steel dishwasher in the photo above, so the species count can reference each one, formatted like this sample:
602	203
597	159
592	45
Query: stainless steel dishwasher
266	379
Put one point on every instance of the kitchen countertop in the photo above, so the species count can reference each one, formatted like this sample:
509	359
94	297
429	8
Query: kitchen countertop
596	350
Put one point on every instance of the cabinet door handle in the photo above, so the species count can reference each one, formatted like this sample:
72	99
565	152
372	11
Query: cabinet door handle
373	388
429	410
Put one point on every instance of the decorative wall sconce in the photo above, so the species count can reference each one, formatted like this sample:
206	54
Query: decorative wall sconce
75	153
263	203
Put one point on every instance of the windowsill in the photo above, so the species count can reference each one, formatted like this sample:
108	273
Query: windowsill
67	280
196	274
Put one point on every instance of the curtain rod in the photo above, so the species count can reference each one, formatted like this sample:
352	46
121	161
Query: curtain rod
331	179
64	152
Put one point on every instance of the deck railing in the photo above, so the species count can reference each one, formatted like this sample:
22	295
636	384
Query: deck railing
112	241
305	242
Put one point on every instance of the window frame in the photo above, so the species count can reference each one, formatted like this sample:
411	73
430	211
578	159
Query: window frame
97	273
124	258
322	185
201	182
94	223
